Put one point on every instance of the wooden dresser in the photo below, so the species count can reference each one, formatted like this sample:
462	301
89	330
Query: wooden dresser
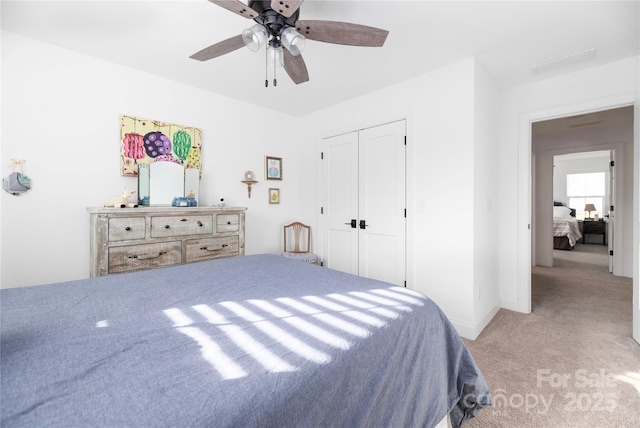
131	239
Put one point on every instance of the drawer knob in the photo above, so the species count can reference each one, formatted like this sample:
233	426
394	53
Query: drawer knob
184	219
127	228
167	226
200	223
228	222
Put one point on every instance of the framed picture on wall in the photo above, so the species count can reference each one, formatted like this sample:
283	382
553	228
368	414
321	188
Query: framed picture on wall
274	196
147	141
273	168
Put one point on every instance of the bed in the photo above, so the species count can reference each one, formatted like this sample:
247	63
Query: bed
566	230
250	341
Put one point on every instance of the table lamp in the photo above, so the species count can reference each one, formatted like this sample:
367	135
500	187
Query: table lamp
589	208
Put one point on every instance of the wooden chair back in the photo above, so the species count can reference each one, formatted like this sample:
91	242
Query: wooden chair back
301	237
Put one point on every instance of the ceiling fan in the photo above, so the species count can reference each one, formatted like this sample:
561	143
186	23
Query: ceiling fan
277	25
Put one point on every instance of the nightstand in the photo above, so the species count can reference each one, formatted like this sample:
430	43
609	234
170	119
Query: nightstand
593	227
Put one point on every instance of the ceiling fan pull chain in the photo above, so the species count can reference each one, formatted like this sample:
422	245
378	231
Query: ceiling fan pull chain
266	67
275	59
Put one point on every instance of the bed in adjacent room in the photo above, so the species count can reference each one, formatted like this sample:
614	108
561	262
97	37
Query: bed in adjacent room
566	230
246	341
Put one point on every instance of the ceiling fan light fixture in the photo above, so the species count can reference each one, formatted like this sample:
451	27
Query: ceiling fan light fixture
275	55
293	41
255	37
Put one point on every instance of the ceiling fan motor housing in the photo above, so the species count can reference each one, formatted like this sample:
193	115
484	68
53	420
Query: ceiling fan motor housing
273	21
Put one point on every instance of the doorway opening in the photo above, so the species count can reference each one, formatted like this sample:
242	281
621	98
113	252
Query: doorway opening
593	135
583	198
608	136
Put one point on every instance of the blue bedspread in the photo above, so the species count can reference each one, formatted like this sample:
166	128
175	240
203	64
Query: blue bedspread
255	341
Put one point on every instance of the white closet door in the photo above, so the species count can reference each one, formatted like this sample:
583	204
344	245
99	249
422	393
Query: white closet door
364	181
382	203
340	203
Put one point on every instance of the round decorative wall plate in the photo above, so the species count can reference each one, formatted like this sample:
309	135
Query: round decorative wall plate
249	175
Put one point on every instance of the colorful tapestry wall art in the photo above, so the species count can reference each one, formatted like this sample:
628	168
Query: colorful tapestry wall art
147	141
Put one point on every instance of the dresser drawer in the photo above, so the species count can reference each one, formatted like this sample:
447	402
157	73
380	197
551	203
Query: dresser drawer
210	248
122	229
162	227
227	223
594	227
144	256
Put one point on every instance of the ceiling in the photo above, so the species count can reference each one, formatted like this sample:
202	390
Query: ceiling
507	37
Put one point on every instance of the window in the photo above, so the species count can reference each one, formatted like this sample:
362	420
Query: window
583	189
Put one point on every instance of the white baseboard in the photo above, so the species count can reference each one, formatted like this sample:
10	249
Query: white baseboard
472	332
509	304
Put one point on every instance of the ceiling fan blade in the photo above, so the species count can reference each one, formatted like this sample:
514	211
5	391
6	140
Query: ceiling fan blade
342	33
286	8
219	48
295	67
236	6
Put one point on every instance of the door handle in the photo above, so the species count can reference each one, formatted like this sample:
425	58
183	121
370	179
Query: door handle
363	224
353	223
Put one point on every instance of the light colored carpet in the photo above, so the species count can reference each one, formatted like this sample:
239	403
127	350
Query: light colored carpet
570	363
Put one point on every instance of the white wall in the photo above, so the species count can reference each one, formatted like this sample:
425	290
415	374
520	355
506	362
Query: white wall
61	113
606	86
486	200
447	256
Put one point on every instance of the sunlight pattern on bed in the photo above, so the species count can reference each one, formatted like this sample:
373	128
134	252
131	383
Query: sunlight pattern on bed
256	328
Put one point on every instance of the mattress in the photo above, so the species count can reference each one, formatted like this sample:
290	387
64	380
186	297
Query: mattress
567	226
247	341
